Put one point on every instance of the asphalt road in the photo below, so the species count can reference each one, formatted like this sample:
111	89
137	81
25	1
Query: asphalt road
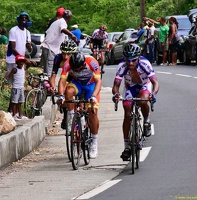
169	171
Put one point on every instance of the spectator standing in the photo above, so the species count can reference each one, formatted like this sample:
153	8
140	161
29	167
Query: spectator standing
59	14
19	40
173	40
55	35
77	32
193	32
150	42
163	36
17	93
3	37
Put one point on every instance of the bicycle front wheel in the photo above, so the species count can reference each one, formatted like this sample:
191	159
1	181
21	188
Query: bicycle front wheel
133	144
76	140
68	138
86	144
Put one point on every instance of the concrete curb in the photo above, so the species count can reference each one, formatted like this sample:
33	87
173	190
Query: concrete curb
18	143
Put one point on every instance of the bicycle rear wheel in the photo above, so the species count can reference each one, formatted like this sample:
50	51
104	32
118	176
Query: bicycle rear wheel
31	103
76	140
86	144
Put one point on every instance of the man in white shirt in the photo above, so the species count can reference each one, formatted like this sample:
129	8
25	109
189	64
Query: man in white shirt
55	35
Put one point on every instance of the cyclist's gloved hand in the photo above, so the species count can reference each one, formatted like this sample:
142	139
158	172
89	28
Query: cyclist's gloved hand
116	97
93	99
61	99
154	100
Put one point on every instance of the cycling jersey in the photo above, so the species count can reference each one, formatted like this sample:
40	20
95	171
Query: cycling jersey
146	73
100	35
85	76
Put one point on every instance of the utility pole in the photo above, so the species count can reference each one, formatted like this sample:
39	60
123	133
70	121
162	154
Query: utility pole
142	9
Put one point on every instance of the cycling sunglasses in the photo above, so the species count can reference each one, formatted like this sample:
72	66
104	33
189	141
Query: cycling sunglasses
131	60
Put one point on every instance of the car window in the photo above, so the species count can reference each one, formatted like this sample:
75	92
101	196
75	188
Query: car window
134	35
114	37
36	39
126	35
184	23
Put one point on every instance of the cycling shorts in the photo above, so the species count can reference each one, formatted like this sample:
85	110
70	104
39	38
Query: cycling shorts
136	91
97	44
88	89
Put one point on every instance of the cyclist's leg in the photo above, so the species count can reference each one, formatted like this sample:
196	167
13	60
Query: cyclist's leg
144	93
95	45
127	105
93	119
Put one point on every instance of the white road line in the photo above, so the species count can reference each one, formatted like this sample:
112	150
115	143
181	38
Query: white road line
183	75
195	77
144	153
152	129
159	72
104	186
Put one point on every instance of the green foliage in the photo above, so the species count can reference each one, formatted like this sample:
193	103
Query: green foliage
90	14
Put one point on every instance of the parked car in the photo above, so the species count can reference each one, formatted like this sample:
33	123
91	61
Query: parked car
190	41
128	36
183	30
36	41
112	37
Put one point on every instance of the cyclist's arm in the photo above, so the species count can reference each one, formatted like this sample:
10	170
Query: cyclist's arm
97	87
116	86
71	35
155	84
61	86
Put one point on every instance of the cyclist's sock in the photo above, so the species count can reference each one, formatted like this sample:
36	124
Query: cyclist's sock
94	139
126	144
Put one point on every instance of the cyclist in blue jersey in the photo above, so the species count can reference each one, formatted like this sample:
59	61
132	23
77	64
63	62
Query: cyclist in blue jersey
139	81
67	48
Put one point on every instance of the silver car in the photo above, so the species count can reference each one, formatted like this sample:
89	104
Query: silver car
128	36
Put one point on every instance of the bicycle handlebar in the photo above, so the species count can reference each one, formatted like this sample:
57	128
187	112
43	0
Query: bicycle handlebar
133	99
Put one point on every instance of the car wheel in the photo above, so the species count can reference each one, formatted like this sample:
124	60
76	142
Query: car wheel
113	62
33	51
186	60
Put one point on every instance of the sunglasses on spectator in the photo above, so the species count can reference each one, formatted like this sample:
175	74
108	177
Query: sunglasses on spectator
131	60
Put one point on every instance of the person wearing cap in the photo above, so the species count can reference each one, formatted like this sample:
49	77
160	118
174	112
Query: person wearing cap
19	39
17	92
163	36
59	15
55	35
77	32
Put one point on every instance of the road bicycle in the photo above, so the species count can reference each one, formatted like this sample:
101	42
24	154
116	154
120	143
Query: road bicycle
81	139
78	138
37	96
136	132
99	59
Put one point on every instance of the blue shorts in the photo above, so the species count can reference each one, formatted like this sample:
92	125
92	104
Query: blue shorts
89	89
17	95
135	91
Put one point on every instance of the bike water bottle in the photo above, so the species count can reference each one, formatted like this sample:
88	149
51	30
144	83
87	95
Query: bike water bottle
83	123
